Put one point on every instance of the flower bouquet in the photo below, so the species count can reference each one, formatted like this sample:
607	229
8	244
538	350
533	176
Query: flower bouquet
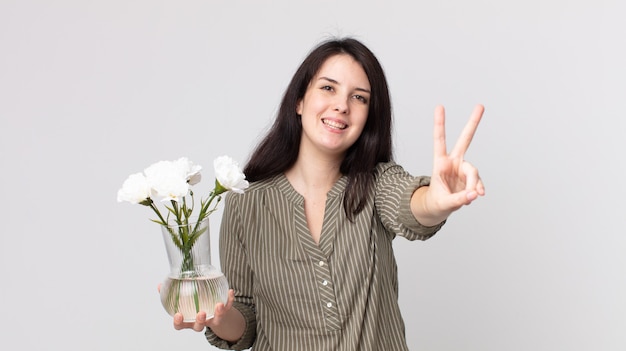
193	284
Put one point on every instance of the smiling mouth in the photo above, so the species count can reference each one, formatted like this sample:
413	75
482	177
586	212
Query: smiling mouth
334	124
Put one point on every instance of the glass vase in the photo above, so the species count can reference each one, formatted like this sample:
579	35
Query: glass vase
193	284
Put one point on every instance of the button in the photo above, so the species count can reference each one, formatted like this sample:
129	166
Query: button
321	263
329	305
325	283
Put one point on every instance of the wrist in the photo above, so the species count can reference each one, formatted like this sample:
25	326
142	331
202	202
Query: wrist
422	210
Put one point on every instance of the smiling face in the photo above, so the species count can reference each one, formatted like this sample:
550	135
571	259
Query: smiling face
335	106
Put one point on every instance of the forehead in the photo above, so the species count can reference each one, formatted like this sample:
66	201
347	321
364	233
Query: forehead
344	69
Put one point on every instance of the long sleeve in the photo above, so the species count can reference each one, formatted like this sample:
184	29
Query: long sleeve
394	188
237	270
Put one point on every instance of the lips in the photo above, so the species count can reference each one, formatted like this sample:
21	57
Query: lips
334	124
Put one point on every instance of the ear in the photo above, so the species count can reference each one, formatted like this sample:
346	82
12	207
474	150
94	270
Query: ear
299	107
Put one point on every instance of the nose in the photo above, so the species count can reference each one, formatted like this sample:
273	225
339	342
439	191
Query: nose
341	105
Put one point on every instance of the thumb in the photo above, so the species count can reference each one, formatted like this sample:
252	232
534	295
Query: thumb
453	202
463	197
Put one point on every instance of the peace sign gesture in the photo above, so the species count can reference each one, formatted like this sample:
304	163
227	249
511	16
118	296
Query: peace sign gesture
454	182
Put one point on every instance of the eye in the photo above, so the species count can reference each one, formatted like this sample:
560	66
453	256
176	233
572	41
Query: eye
361	98
327	87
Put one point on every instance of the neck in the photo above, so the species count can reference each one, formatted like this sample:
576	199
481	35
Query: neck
314	173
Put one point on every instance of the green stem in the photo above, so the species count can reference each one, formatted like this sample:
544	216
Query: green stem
158	213
179	283
163	222
196	300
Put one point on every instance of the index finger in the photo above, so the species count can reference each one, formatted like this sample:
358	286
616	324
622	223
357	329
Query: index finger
468	132
439	133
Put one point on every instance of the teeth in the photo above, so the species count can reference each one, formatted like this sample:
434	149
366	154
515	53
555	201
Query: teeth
334	124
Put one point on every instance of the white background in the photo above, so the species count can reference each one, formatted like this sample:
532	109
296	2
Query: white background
92	91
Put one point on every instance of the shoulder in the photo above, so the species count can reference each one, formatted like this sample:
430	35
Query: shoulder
256	189
391	172
261	185
388	168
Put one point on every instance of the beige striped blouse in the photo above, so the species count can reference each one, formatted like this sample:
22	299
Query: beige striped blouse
297	295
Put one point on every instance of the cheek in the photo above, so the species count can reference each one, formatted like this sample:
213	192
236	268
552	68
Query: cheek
361	116
358	126
317	106
314	104
360	130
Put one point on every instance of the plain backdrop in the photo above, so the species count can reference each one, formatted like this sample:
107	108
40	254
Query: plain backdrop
92	91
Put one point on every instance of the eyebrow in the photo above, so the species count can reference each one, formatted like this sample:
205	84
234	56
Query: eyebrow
336	82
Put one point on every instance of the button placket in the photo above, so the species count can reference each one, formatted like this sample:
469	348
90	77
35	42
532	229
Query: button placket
327	294
320	265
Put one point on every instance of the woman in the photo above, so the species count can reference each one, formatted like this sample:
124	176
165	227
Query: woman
308	248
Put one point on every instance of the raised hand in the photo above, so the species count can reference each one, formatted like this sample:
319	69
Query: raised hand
454	181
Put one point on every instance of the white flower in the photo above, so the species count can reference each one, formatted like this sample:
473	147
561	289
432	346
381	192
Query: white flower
134	190
190	170
168	179
229	175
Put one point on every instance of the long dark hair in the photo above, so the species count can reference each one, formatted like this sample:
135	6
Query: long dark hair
278	151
